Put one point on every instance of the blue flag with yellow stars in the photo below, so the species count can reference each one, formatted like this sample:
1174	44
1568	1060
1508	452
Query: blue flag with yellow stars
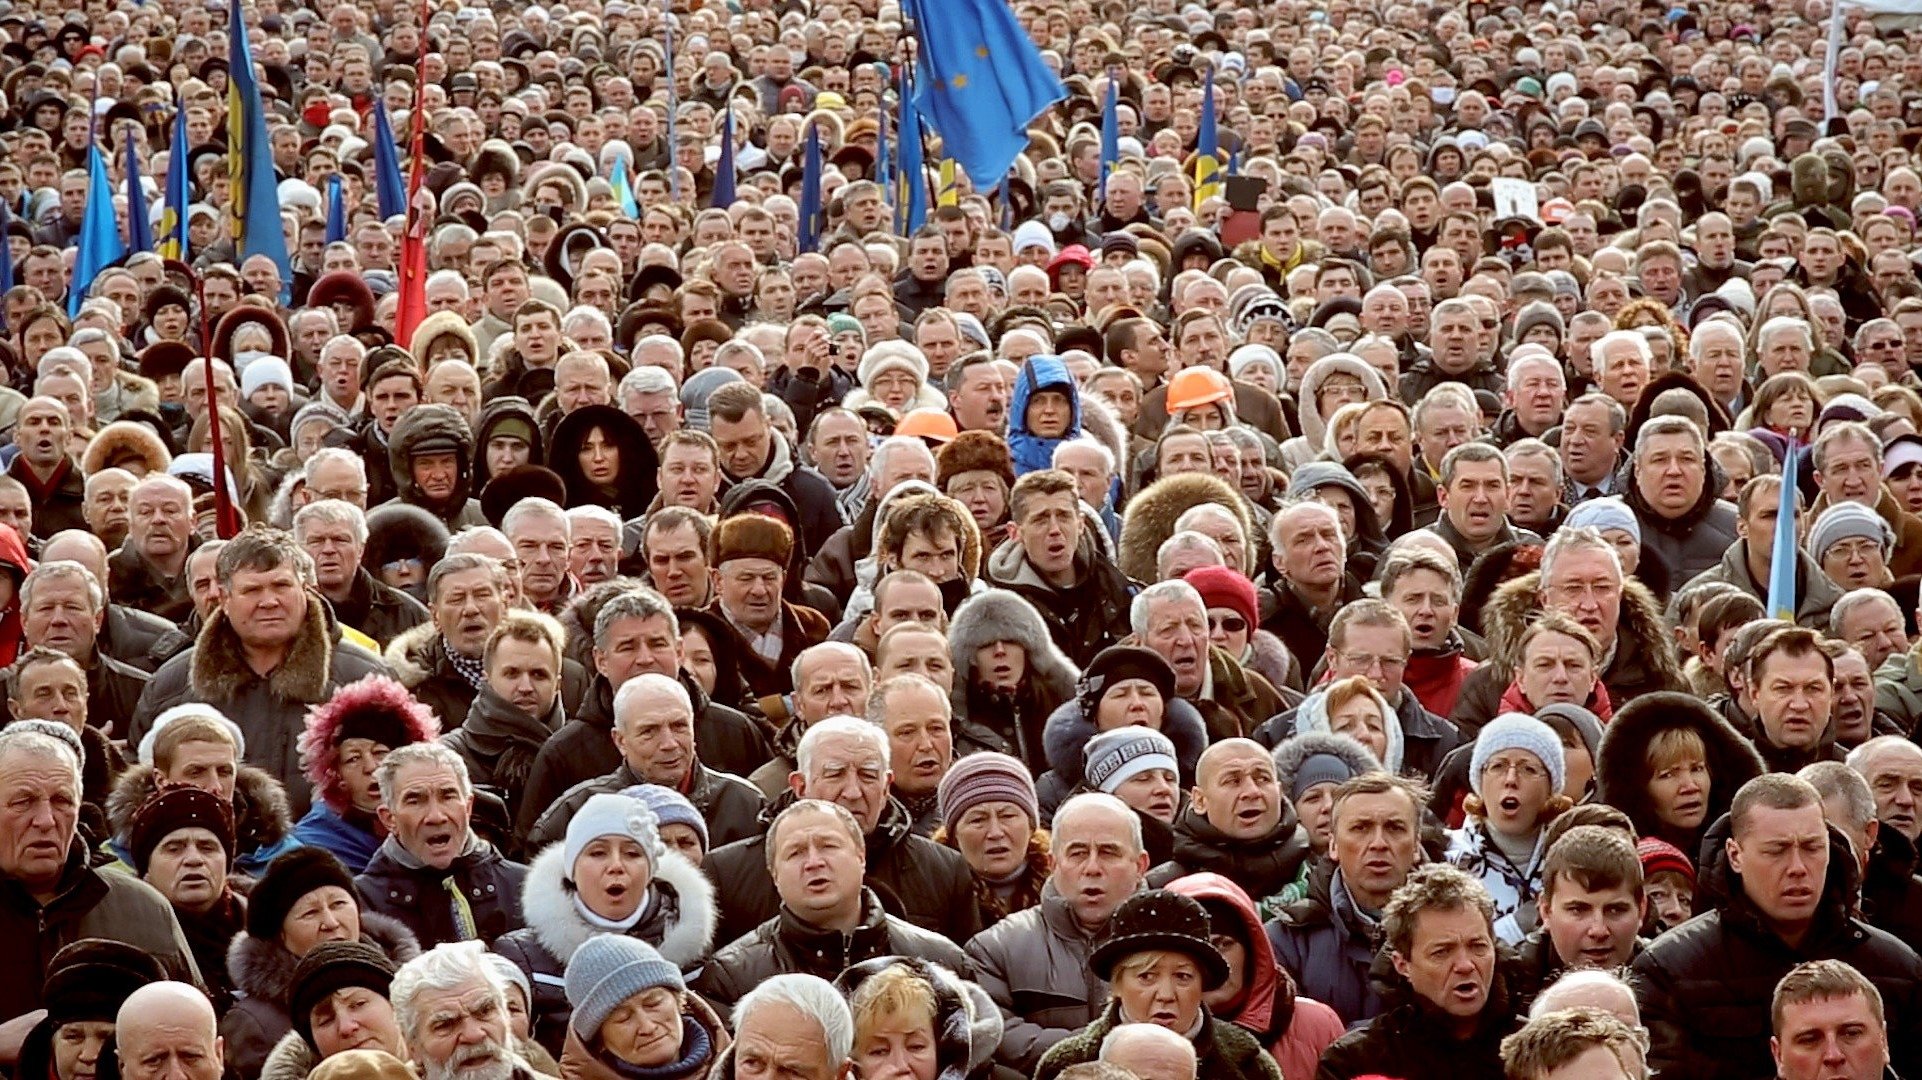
980	82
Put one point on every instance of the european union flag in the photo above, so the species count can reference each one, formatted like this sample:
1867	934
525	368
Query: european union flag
981	82
173	212
1110	137
911	202
1208	183
254	192
336	210
810	229
388	188
99	243
139	218
623	191
1784	559
723	194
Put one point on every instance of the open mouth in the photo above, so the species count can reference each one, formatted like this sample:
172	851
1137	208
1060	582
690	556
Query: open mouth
1509	804
1248	815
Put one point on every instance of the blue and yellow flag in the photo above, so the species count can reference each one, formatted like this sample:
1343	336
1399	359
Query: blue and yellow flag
1784	559
723	194
883	163
1110	136
911	196
1207	175
173	211
255	193
623	191
99	242
389	190
809	236
139	217
981	82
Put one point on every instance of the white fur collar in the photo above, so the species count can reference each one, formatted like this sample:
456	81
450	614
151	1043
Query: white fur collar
549	908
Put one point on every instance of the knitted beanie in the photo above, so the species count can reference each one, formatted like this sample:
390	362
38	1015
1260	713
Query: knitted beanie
1221	587
608	969
983	778
1519	731
332	966
670	807
1660	856
266	371
177	808
1604	514
1844	521
1113	757
288	878
1318	769
607	814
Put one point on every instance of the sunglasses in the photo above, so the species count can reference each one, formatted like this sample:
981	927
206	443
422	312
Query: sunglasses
1233	624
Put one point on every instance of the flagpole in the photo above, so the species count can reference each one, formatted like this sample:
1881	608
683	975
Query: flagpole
673	100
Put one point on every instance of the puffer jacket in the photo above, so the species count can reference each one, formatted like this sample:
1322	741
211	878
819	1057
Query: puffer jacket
785	944
1706	986
923	882
1414	1040
435	427
1327	944
678	920
1034	964
730	805
395	884
1223	1051
263	977
1262	866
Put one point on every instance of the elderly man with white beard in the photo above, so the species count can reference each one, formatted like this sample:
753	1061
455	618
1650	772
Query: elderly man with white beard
452	1012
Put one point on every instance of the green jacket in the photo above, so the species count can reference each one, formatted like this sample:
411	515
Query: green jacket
1898	687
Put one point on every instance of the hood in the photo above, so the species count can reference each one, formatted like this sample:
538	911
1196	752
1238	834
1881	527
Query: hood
122	438
13	556
1691	518
265	970
491	416
430	428
1314	426
262	817
1099	422
1152	513
1266	980
372	696
1033	452
1303	745
635	483
967	1022
1312	716
437	327
1507	613
547	903
993	615
1320	474
1621	768
1069	728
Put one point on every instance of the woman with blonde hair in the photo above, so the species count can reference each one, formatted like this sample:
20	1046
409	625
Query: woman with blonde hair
916	1020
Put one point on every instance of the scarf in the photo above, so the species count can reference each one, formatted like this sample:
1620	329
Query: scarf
474	669
697	1048
1513	701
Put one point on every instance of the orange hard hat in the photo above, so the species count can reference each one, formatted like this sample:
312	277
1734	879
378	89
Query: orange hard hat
934	425
1195	387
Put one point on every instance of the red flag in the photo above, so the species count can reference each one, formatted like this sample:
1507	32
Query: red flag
420	210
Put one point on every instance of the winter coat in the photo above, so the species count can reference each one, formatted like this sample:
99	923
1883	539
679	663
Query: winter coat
1223	1051
499	742
801	627
1621	767
263	829
1645	660
1537	966
785	944
1083	618
636	481
1034	964
353	842
88	903
395	885
1260	866
923	882
1424	375
1294	1030
678	920
796	589
1031	452
1414	1040
263	975
134	581
1070	728
1705	987
271	711
1694	541
700	1055
1309	445
583	750
819	513
1815	594
1891	893
967	1026
442	425
379	610
58	504
1328	945
1018	721
1302	630
1435	676
1513	888
141	639
419	661
1240	701
730	805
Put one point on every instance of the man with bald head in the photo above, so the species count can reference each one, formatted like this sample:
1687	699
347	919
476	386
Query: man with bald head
149	569
1589	988
167	1031
1892	765
1237	823
1151	1052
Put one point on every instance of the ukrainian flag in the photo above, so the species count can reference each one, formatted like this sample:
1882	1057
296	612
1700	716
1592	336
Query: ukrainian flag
981	82
255	193
623	191
911	180
173	212
1783	560
1208	179
99	245
1110	136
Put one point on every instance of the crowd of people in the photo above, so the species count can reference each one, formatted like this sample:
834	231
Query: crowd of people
1413	575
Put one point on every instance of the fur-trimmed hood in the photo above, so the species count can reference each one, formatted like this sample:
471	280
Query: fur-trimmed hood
1621	768
993	615
439	325
496	156
262	817
265	969
411	655
1069	729
968	1025
1152	513
492	415
561	173
1508	612
372	695
443	426
220	668
121	439
1303	745
547	904
1314	425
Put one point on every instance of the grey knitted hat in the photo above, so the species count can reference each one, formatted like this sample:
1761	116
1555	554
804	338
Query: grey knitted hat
608	969
1845	520
1114	756
1519	731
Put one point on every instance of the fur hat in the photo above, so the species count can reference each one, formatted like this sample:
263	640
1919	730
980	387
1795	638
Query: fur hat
374	707
344	287
892	356
403	531
750	536
974	451
288	878
123	440
91	978
331	966
175	808
362	1065
161	359
1161	921
518	483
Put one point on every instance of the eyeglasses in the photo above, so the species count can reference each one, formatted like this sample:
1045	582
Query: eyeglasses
1233	624
1526	770
1365	661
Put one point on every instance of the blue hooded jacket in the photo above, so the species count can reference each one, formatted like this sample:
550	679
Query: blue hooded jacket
1032	452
